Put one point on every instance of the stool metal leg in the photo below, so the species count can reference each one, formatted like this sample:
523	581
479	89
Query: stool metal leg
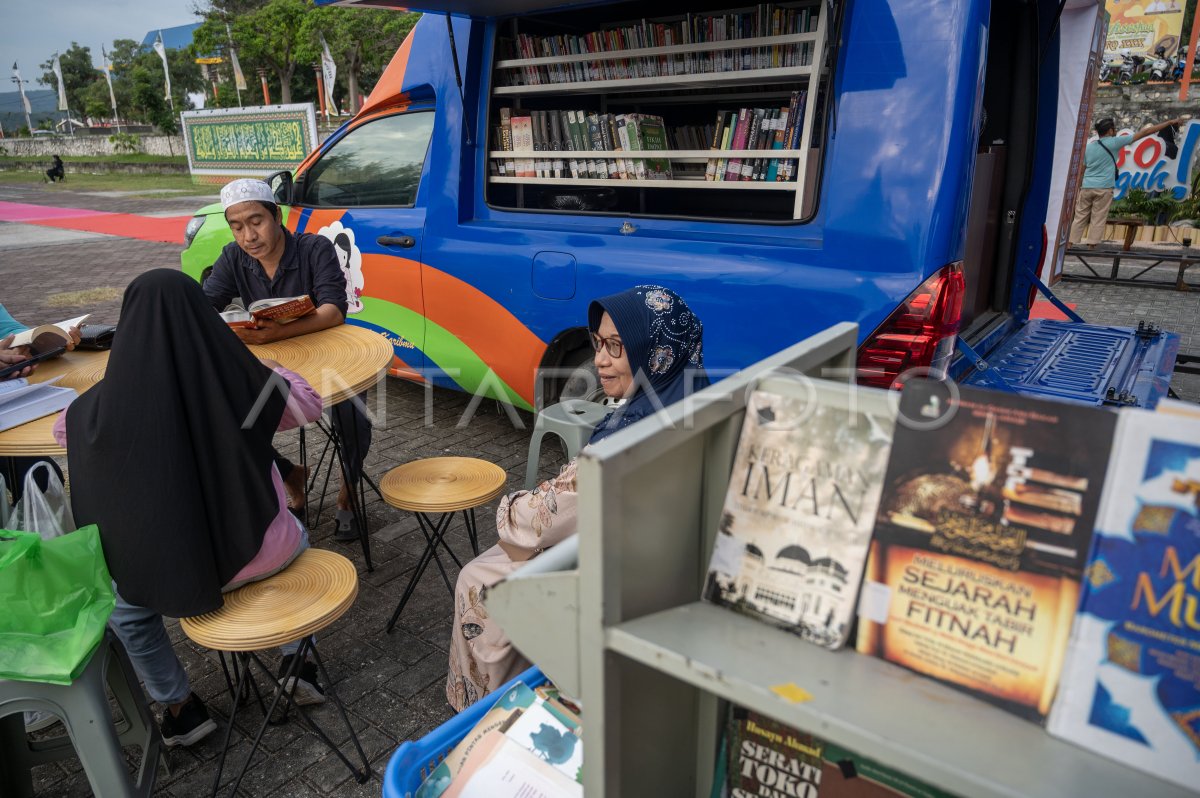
472	532
428	554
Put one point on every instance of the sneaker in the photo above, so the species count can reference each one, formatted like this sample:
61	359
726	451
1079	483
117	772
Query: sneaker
189	727
308	688
345	526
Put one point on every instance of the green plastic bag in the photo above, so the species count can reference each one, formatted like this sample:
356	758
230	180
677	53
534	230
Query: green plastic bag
56	596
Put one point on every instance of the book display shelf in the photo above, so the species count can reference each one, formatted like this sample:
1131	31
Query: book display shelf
679	69
614	617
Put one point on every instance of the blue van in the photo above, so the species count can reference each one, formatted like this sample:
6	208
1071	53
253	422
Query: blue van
479	201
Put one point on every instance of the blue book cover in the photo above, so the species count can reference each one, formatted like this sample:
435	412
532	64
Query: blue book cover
1130	688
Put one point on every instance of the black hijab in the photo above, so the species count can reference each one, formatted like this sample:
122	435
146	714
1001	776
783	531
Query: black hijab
158	454
664	342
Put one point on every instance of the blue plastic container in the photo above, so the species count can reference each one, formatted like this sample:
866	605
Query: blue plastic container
415	759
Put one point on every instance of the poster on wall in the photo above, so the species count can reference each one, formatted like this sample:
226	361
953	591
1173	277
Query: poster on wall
248	142
1161	163
1142	27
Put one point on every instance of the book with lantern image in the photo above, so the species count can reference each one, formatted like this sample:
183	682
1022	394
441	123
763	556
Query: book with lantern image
983	530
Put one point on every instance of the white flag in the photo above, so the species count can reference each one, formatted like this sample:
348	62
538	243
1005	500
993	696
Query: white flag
239	79
62	87
112	98
162	53
329	74
21	86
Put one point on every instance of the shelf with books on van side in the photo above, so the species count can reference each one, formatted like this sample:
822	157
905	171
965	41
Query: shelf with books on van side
688	66
614	617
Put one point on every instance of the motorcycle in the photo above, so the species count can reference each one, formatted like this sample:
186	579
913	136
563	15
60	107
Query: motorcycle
1109	67
1130	64
1159	65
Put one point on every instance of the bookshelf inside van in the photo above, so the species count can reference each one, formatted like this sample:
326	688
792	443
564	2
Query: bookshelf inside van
702	110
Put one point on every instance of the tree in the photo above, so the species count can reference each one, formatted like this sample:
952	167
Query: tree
266	37
361	41
78	74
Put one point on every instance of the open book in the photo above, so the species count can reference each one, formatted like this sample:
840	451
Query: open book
22	401
47	336
282	310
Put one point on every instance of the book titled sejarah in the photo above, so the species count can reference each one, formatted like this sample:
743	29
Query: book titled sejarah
982	535
801	504
1131	683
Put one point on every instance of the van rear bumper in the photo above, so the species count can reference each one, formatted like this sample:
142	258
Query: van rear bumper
1085	363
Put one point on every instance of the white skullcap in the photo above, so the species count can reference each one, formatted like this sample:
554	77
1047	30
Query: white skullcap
246	189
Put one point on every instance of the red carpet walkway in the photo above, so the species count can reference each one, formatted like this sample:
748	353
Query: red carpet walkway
126	225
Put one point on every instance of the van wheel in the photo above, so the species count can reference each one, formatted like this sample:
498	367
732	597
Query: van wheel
583	382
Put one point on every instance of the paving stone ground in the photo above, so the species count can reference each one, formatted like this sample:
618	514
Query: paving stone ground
392	685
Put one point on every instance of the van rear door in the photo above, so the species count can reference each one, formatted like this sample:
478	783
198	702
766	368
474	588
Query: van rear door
1001	346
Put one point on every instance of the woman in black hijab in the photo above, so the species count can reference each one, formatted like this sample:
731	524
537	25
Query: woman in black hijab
170	455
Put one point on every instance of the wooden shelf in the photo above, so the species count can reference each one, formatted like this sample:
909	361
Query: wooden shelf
655	52
738	185
930	731
732	78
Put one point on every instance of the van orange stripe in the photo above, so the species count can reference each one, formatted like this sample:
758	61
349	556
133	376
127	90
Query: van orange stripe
320	218
494	334
395	279
391	83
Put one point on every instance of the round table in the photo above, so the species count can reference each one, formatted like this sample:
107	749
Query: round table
440	485
340	362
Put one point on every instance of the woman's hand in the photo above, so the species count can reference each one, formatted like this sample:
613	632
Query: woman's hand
73	338
10	357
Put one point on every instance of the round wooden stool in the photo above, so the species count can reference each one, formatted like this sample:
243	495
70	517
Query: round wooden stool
311	593
443	486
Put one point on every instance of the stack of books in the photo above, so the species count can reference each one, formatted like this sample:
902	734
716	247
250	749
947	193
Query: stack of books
534	136
757	129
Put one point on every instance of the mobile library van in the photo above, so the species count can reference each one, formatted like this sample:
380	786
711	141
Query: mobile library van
784	166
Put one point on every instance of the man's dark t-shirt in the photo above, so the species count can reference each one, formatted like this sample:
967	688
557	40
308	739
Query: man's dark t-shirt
309	266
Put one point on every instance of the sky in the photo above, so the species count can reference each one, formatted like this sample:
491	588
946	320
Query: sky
30	35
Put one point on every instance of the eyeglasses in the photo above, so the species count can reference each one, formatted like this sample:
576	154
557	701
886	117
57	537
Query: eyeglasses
613	345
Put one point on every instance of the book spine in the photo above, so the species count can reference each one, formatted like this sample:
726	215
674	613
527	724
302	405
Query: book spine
710	169
496	165
623	141
522	134
606	145
781	176
797	131
777	144
726	139
556	144
564	123
753	124
597	142
733	171
636	143
506	141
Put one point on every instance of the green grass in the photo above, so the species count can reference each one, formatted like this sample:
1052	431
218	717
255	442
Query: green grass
110	182
181	160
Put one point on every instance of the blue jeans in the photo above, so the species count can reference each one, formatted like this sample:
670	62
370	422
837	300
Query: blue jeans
144	636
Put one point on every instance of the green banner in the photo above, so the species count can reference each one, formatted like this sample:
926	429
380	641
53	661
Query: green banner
249	141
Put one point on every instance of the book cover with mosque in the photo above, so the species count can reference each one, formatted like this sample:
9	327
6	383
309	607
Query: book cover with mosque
1131	682
800	505
981	539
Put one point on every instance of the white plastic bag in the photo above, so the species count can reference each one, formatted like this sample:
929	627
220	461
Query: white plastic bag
48	513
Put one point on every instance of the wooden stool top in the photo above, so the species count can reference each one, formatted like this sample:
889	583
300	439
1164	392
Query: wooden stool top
311	593
442	484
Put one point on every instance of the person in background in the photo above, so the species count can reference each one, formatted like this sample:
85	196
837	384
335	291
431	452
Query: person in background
170	456
56	171
644	336
1100	179
267	261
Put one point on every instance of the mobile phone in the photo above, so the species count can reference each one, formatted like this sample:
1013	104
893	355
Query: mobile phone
17	368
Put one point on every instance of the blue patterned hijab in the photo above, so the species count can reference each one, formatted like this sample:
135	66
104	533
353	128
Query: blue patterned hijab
663	340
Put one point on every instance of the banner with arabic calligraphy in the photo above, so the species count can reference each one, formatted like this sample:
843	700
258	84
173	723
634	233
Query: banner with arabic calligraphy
249	142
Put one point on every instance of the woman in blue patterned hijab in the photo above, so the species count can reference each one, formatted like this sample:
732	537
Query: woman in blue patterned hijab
655	357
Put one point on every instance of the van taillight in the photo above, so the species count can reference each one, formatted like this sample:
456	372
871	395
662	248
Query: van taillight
919	334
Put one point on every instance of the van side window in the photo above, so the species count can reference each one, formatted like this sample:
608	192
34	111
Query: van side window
378	164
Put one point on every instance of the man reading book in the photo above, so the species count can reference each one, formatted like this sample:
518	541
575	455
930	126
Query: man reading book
268	261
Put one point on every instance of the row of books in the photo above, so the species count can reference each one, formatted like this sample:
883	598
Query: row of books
542	133
551	131
1041	556
764	20
757	129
